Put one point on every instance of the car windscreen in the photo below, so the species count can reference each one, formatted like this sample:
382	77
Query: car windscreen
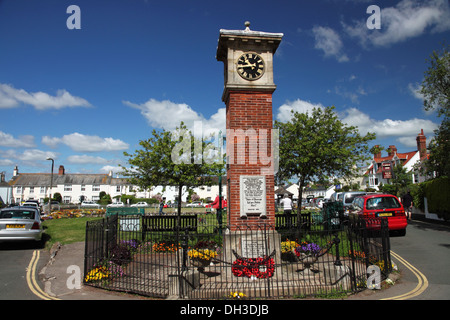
382	203
17	214
349	198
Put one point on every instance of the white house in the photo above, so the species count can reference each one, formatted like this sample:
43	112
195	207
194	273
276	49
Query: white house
380	169
72	187
75	186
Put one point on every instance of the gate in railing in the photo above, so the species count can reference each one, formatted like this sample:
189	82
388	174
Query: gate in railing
207	261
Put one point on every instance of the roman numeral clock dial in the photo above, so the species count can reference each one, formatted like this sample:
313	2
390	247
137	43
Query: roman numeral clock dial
250	66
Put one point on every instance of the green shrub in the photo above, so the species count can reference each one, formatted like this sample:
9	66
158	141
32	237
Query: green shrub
437	193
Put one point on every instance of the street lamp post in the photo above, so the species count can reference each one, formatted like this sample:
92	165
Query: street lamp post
51	187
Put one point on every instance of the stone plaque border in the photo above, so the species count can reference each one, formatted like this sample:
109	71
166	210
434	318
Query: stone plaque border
261	209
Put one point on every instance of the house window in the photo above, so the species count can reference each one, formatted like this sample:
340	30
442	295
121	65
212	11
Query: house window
117	188
19	190
373	181
67	187
31	189
42	190
83	187
67	199
96	187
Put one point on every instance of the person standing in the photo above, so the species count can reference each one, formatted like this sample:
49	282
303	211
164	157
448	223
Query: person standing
407	202
286	203
161	206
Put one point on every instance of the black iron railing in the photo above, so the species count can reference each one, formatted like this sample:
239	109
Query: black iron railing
136	254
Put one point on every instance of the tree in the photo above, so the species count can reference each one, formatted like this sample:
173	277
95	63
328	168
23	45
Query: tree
57	196
318	144
436	92
436	83
173	158
104	198
400	182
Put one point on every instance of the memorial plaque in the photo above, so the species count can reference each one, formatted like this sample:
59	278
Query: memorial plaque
253	195
253	248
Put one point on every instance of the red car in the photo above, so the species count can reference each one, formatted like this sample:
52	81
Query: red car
381	205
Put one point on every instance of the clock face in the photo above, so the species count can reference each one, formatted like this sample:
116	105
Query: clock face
250	66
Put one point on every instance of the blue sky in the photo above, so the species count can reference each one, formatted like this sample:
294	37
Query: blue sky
84	96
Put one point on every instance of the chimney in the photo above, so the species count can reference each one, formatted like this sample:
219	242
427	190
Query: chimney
16	171
61	171
2	176
378	154
422	144
392	150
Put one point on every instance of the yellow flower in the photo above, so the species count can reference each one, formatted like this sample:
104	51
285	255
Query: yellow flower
288	246
237	295
204	254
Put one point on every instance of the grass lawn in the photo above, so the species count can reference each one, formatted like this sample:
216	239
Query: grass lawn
65	230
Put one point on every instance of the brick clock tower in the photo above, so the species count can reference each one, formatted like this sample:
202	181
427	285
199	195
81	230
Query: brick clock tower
248	60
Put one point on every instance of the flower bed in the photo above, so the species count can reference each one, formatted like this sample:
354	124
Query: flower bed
164	246
74	213
105	271
202	254
260	268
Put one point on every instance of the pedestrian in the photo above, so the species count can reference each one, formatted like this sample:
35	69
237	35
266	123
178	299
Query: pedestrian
286	203
216	203
161	206
407	202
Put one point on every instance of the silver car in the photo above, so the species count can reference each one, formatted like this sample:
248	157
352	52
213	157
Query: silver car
20	223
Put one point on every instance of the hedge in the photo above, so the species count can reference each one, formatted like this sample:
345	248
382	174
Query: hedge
437	192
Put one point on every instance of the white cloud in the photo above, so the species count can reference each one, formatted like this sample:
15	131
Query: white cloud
29	155
387	127
403	131
7	140
408	19
329	42
114	169
11	97
168	115
284	112
85	143
414	89
6	162
85	159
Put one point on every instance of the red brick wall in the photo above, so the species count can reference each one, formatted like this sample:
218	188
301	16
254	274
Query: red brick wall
248	110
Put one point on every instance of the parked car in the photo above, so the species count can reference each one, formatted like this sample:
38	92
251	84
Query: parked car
140	204
348	197
32	204
115	205
195	204
89	204
380	205
335	196
20	223
55	206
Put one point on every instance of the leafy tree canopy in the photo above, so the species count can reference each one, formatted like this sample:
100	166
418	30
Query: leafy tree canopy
173	158
436	92
318	144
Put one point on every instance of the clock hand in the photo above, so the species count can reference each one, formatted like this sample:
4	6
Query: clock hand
248	65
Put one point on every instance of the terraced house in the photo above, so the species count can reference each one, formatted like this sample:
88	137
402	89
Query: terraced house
74	187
